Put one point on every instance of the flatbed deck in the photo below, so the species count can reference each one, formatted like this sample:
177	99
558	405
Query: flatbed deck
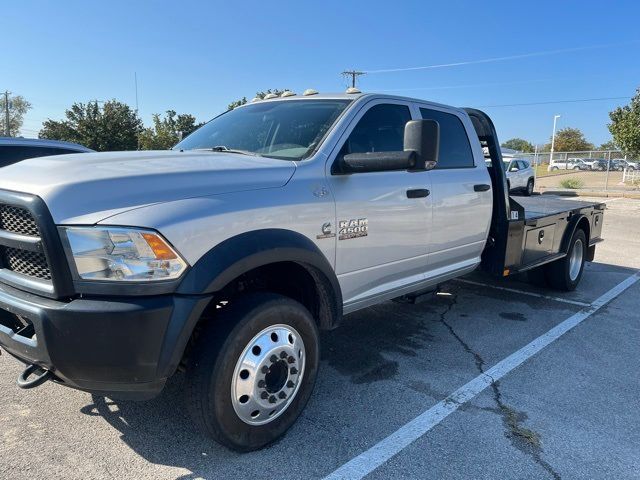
539	206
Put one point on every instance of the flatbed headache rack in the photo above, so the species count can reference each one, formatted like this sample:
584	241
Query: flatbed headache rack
530	231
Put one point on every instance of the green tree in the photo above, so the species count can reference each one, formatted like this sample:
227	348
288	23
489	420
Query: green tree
625	126
243	100
519	144
18	107
167	131
610	145
110	127
570	140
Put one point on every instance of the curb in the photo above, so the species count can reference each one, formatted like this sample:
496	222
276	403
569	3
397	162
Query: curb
592	193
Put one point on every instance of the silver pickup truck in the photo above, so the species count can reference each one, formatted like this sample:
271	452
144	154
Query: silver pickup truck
224	257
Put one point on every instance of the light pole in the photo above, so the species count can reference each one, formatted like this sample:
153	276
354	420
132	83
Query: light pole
553	138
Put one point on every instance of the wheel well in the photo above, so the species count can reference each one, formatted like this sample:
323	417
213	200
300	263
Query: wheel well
301	282
583	224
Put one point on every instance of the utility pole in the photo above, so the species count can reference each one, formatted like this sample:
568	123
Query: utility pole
353	74
553	138
135	79
6	114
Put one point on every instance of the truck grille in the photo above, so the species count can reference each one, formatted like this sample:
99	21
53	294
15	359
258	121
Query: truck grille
32	264
18	220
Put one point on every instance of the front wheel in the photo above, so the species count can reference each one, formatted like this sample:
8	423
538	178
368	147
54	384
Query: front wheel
252	370
565	274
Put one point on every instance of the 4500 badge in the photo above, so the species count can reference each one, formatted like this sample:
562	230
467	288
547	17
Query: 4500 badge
353	228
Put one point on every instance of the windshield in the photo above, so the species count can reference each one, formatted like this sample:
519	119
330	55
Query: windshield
289	130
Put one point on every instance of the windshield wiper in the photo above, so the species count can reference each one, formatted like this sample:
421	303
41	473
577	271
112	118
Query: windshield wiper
224	148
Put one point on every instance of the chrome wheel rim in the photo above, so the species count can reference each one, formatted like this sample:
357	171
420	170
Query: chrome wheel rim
575	262
268	375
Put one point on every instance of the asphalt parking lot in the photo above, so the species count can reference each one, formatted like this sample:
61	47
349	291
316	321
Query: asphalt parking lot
569	410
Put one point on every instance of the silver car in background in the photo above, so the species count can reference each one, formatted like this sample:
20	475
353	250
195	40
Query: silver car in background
520	175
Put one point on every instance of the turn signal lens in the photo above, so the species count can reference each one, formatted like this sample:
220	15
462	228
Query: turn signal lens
161	249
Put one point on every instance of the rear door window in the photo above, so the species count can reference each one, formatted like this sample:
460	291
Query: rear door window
455	150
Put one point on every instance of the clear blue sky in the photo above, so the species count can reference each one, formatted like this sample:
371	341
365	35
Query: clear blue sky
195	57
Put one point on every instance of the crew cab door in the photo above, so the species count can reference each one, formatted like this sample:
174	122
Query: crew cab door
383	219
461	194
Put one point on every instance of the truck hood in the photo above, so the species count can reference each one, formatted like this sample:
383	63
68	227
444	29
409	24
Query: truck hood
87	188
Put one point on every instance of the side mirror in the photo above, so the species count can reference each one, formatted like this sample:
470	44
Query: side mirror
514	169
423	138
421	146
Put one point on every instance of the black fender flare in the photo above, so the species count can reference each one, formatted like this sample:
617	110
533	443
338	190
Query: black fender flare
244	252
574	223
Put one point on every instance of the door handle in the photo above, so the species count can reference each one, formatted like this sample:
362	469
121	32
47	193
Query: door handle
418	193
482	187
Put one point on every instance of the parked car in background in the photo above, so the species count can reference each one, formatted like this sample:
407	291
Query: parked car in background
14	150
621	164
520	176
568	164
598	164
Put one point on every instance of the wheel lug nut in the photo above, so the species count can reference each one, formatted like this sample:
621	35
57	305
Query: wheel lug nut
261	384
283	354
273	358
294	370
265	369
282	395
272	399
290	384
291	359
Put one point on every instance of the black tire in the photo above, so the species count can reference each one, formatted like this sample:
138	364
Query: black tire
508	186
529	189
213	361
558	273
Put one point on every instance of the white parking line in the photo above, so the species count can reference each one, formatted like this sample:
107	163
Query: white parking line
390	446
523	292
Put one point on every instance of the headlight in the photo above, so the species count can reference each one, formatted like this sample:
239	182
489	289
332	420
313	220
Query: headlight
123	254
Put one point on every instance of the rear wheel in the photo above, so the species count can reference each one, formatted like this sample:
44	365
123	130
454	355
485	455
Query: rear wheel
252	370
565	274
553	169
529	190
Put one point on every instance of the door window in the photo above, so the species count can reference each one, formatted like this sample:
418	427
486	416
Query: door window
381	129
455	150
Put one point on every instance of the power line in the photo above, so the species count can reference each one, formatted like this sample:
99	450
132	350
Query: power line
554	102
501	59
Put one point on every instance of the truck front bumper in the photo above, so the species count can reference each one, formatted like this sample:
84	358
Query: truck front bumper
123	347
